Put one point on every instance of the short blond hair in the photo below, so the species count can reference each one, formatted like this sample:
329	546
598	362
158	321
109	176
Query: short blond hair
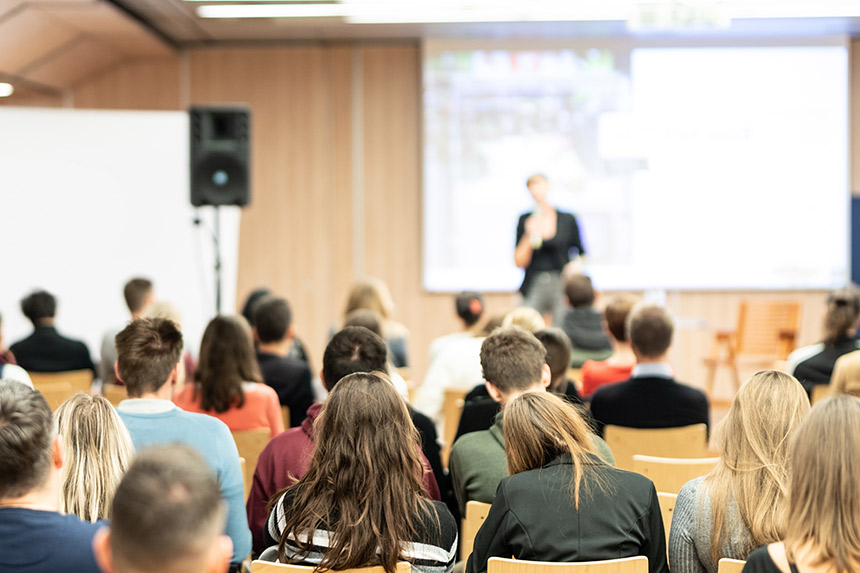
526	318
536	178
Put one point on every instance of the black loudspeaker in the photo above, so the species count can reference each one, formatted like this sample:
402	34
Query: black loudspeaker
220	156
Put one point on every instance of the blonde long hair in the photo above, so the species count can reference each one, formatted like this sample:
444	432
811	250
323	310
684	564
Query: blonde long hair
98	453
753	441
540	427
824	511
846	375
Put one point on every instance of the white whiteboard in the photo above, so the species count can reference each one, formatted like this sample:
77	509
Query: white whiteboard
714	167
90	199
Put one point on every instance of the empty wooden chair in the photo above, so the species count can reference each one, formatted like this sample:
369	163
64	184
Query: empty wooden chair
250	444
452	408
81	380
269	567
667	508
114	393
476	513
682	442
56	393
627	565
670	474
730	566
765	333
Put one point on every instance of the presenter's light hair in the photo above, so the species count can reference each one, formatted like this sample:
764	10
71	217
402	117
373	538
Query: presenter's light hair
650	329
753	471
147	350
366	469
846	375
167	512
526	318
616	313
512	359
136	293
98	452
227	360
843	310
536	178
370	293
26	432
38	305
539	427
824	499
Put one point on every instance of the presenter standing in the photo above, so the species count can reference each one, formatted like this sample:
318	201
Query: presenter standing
545	239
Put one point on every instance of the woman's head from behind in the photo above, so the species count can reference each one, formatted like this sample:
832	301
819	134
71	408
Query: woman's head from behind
227	359
846	375
364	481
824	514
538	428
753	441
98	451
843	310
372	294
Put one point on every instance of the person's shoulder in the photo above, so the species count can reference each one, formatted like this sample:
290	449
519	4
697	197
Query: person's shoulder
260	391
611	391
690	392
761	561
468	445
286	441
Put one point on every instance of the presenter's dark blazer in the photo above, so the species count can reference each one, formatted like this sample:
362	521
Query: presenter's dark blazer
533	517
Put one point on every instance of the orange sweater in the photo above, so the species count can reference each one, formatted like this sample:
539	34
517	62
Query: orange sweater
261	408
599	373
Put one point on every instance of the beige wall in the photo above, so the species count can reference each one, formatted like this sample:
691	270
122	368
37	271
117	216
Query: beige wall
337	184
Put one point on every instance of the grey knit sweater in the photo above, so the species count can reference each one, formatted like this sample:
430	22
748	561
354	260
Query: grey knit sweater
690	541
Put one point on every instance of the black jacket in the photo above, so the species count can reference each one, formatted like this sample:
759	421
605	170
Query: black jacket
533	517
46	350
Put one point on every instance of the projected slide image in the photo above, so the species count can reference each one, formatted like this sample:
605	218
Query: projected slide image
717	167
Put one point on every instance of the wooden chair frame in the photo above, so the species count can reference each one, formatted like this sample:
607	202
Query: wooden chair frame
681	442
637	564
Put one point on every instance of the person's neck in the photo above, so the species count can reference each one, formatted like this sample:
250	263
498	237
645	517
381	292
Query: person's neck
622	353
163	393
507	398
279	348
662	359
44	498
45	322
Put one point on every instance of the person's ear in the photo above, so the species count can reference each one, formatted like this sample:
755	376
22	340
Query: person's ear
494	392
222	552
322	379
116	371
545	375
58	453
256	335
102	550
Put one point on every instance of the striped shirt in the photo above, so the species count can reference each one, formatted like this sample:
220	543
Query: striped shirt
431	551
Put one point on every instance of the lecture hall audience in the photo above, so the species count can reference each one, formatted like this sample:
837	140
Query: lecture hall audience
34	536
98	452
561	502
297	348
741	504
138	294
373	294
228	384
362	501
651	398
469	307
148	354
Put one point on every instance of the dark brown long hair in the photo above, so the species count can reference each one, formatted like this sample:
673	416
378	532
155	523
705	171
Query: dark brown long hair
539	427
364	482
226	360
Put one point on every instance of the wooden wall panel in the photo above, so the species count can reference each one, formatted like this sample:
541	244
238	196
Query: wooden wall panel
142	84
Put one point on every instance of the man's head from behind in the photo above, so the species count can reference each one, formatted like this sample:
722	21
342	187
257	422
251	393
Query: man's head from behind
615	314
148	350
273	319
579	290
513	361
353	349
167	516
27	441
138	294
649	328
558	355
39	306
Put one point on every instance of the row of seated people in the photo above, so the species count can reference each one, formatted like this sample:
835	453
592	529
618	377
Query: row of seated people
561	501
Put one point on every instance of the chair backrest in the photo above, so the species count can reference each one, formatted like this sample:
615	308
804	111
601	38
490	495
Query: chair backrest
79	379
730	565
55	393
819	392
670	474
637	564
667	508
452	408
476	513
682	442
250	444
767	328
269	567
114	393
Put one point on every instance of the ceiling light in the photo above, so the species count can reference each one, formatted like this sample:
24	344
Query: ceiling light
6	89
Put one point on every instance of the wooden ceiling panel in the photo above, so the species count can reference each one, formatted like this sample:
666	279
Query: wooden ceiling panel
29	35
85	58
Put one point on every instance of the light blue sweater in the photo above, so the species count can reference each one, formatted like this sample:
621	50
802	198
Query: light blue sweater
212	438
